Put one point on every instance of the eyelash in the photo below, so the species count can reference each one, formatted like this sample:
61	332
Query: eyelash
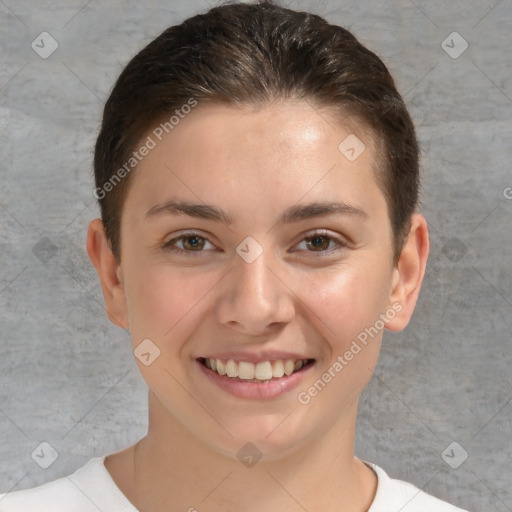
319	233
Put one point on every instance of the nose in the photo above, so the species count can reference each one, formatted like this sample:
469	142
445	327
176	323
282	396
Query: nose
255	298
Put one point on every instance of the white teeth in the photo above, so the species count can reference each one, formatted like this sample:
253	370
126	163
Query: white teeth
278	369
232	369
289	366
245	370
264	370
221	370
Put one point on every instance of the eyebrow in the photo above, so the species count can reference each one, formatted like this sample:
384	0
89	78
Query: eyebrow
292	214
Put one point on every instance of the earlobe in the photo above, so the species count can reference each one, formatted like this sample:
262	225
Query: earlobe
109	271
409	272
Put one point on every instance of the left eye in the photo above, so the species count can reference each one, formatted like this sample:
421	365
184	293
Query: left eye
320	242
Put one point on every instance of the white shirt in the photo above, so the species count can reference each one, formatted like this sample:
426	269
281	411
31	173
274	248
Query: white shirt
92	489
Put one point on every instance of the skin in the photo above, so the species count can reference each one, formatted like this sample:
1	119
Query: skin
254	164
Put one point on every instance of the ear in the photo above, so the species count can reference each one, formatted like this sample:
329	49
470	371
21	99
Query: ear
408	273
101	256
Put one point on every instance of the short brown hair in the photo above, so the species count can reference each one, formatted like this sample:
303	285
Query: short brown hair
251	55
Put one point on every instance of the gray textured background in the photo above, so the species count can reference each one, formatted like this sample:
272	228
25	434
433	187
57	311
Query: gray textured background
68	377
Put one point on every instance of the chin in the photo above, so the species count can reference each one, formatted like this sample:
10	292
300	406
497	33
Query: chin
264	439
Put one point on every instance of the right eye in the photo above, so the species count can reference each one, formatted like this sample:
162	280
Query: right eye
191	242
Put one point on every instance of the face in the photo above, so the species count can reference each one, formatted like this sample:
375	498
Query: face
254	273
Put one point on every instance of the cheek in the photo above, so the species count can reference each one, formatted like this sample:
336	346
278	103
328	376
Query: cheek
346	301
163	302
344	308
165	306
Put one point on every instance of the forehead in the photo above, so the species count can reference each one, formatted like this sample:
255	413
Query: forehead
278	151
286	127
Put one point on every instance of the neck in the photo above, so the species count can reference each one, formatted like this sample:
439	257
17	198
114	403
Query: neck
173	467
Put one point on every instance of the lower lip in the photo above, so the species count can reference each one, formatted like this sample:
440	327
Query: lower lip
255	390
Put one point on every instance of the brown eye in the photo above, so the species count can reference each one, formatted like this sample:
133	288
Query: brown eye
193	242
188	243
319	242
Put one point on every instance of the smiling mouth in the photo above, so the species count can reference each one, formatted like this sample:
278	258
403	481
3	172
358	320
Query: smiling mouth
264	371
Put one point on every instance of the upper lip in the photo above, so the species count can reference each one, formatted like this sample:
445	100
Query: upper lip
256	357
